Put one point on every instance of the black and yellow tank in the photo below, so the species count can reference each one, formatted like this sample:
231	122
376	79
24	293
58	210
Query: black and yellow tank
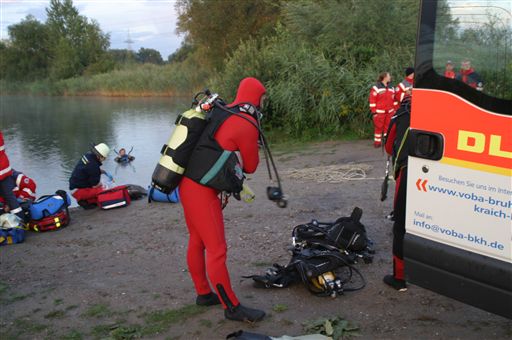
176	153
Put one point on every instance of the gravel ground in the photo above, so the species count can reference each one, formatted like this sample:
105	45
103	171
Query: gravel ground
122	273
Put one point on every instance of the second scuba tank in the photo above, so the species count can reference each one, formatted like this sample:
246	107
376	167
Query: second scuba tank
177	151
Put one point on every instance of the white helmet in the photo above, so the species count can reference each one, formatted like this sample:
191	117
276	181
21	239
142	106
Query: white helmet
102	150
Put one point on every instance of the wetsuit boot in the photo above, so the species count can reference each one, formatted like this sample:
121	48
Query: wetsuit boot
239	312
210	299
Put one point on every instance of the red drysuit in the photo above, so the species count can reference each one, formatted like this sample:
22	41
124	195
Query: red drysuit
382	105
202	206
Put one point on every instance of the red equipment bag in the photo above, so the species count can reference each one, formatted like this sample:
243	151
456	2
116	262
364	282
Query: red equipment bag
114	198
53	222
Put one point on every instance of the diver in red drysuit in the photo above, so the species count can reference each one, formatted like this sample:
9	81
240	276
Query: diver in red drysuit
203	212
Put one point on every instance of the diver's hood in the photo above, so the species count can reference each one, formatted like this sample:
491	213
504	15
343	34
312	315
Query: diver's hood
249	91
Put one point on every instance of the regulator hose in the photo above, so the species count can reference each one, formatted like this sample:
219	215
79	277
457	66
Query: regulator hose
274	194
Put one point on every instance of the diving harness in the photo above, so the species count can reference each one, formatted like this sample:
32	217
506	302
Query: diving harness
206	104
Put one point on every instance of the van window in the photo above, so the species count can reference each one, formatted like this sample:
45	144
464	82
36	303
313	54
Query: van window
473	45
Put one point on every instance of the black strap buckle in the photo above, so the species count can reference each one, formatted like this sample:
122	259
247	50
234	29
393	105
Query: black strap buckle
167	151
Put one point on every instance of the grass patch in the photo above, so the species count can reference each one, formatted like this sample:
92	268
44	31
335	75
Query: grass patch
3	287
72	335
159	321
279	308
15	298
57	302
55	314
22	329
71	307
154	323
98	311
102	331
126	332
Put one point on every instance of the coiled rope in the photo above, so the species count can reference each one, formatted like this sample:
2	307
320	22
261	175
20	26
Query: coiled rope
332	173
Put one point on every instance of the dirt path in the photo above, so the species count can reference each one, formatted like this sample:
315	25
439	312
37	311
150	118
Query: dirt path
122	273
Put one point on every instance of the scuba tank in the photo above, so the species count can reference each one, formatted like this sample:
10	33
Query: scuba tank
176	153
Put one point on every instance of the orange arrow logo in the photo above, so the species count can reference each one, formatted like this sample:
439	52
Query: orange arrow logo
421	185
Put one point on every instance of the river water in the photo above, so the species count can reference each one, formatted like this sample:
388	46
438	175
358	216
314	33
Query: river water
46	136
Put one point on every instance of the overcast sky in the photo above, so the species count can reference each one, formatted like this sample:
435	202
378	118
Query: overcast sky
150	23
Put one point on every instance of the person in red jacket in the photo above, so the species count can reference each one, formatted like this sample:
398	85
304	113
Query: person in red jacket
25	187
448	71
7	183
206	254
468	75
404	89
382	106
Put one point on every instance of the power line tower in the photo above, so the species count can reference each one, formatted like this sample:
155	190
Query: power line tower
129	42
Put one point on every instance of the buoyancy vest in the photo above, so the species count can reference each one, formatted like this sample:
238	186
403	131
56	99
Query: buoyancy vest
210	164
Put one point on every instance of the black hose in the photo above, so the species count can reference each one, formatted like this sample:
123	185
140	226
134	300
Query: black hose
266	150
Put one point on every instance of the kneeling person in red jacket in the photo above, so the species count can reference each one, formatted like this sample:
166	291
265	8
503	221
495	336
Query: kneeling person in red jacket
7	184
207	248
85	182
24	187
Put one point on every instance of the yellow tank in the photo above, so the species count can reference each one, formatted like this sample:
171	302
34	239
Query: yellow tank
176	153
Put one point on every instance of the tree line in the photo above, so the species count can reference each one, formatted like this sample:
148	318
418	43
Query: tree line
66	45
317	58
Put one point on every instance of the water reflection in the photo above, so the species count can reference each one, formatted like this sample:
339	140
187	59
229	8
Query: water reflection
45	136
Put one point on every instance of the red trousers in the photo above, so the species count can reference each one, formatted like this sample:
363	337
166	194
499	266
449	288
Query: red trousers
207	249
88	194
399	224
380	124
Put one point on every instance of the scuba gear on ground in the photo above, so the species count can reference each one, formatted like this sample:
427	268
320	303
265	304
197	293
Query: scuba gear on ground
346	233
324	272
158	196
116	197
239	313
323	255
101	150
384	186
